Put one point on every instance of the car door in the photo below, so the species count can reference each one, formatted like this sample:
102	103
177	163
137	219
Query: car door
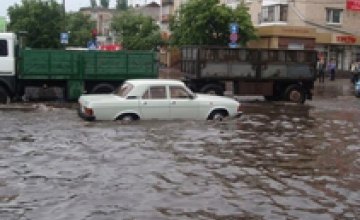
154	103
182	104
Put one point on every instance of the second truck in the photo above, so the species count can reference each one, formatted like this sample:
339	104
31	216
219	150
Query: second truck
276	74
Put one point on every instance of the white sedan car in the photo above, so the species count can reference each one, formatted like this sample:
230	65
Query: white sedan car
156	99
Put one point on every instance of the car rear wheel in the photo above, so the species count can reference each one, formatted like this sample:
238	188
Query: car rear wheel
218	115
128	117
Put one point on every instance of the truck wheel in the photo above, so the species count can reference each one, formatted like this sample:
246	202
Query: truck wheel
103	88
294	93
4	96
212	89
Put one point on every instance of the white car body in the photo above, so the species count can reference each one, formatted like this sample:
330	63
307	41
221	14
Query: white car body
155	99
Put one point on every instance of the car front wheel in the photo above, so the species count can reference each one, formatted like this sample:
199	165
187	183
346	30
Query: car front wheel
218	115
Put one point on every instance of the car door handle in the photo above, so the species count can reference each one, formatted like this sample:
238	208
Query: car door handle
173	102
144	103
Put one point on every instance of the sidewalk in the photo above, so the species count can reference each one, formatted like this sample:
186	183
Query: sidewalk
338	87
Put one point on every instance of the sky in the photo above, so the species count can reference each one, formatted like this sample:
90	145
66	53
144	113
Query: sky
70	5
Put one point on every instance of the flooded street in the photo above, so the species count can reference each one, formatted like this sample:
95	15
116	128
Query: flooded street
278	161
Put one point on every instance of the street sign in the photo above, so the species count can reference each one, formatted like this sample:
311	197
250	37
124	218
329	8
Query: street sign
92	45
234	28
233	45
233	37
64	38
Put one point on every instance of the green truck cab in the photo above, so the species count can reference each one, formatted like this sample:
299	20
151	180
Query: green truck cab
68	72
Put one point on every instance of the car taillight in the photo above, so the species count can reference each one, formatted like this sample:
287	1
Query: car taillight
239	109
88	111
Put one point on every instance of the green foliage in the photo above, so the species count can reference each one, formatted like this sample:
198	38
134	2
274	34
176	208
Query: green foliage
104	3
122	5
80	27
137	32
42	20
198	23
93	3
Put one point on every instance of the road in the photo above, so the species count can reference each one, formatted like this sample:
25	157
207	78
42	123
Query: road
278	161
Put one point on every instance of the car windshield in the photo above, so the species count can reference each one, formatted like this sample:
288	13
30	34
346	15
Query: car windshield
124	89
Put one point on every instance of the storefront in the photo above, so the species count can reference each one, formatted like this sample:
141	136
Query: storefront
285	37
344	49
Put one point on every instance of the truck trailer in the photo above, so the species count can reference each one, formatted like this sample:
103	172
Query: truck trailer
68	72
276	74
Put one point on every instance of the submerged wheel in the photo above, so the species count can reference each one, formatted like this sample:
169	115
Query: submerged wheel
212	89
218	115
294	93
128	117
4	96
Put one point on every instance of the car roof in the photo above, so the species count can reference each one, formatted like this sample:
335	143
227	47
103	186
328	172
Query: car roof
155	82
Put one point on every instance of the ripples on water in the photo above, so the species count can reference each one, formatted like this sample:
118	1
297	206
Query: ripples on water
276	162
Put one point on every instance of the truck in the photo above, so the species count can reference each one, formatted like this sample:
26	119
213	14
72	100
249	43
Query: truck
276	74
64	73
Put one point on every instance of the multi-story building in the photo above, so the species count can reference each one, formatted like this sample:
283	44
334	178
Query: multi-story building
331	27
102	17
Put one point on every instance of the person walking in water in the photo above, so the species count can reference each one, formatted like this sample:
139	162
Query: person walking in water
331	68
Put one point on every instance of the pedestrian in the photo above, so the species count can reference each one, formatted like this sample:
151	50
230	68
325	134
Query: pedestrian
355	70
321	70
331	68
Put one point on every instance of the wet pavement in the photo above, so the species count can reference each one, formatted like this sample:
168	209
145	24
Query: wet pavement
278	161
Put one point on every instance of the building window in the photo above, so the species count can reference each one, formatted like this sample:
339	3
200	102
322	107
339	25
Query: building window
333	16
274	13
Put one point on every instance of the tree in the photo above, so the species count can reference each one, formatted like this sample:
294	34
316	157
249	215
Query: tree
93	3
80	27
42	20
197	23
137	32
121	5
104	3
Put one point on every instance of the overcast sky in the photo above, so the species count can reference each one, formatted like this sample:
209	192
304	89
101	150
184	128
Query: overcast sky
71	5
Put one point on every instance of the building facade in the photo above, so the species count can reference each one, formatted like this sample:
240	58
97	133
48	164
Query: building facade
102	17
331	27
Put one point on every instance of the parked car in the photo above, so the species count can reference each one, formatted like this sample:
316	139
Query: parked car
156	99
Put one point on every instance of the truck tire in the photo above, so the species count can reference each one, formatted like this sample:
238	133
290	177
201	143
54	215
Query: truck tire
294	93
213	89
4	96
103	88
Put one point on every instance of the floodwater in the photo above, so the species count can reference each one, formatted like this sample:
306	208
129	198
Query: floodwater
278	161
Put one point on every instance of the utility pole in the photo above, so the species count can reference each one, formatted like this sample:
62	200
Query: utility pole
161	14
64	13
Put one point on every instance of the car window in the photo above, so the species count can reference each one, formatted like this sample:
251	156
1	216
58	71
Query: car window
155	92
178	92
124	89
